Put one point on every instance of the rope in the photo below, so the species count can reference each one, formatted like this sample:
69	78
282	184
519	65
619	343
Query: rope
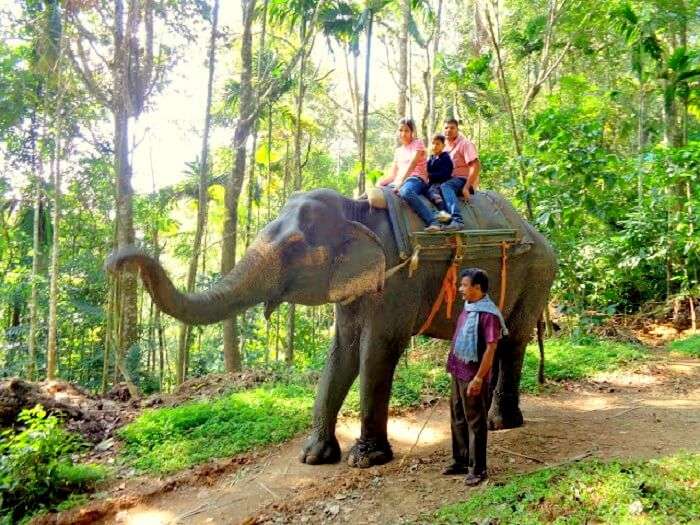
391	271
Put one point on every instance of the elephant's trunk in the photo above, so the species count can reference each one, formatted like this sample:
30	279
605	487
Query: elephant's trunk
253	280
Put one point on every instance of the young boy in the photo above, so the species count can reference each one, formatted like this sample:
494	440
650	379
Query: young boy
479	327
439	172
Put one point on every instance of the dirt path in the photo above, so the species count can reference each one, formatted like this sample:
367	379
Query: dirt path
653	411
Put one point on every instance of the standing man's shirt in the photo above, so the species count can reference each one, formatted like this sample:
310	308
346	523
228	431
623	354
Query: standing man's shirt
462	152
439	168
489	331
403	156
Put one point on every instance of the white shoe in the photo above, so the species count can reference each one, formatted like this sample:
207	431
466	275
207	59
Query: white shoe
443	216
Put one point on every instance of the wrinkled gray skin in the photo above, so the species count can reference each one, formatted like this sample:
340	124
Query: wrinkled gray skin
327	248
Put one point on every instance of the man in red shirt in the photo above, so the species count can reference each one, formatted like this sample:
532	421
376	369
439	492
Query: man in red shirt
464	157
465	175
479	327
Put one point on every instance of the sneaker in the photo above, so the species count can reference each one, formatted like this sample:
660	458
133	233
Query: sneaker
472	480
443	216
434	227
455	469
454	226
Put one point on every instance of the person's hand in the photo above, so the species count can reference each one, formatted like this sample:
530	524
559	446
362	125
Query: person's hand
465	193
474	387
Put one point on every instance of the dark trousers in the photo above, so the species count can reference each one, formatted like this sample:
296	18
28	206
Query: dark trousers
451	192
468	425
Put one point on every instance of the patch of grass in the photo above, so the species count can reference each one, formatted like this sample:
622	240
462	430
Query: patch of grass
687	346
168	439
665	490
569	359
412	382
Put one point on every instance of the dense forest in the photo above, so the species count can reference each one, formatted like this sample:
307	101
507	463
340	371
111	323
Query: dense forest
182	127
586	115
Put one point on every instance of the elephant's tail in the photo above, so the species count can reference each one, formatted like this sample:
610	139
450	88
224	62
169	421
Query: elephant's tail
540	343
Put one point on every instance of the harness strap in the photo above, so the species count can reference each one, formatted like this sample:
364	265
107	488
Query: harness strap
448	290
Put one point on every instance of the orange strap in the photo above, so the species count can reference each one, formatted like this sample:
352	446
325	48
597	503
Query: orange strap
448	290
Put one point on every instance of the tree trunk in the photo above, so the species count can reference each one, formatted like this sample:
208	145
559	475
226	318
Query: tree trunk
128	333
109	327
51	350
432	119
403	57
36	255
494	34
185	335
298	178
291	326
361	180
232	358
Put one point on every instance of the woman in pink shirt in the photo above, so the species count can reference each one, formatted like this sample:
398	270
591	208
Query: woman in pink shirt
409	173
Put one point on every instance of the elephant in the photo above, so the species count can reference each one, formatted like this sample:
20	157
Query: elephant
327	248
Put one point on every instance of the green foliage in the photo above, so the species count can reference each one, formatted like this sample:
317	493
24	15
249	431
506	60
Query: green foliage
168	439
415	381
689	346
656	491
571	359
37	469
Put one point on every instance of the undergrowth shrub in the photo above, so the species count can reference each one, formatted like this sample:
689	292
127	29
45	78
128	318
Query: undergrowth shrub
663	490
37	470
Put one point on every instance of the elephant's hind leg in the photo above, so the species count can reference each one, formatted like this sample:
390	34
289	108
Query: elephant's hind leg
338	375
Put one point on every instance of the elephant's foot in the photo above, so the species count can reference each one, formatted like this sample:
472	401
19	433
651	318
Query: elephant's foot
317	451
504	413
366	453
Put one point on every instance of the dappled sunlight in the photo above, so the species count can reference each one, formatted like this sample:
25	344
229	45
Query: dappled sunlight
673	403
684	367
401	432
623	379
145	516
585	403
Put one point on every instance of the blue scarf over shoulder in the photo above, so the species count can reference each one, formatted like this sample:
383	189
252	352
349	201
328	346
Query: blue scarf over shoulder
467	340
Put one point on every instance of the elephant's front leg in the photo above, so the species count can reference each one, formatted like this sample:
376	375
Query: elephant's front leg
338	375
378	361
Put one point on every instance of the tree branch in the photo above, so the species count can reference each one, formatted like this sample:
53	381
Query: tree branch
101	96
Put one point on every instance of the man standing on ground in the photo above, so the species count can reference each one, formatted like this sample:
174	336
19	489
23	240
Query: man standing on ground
479	327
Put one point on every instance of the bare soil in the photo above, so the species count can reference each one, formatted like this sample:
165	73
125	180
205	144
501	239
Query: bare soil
651	411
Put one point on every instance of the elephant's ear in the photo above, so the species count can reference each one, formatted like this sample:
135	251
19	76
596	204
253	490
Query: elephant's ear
358	265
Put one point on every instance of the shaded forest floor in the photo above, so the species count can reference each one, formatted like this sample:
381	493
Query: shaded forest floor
648	410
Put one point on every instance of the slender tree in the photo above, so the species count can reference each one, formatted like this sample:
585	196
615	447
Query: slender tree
405	8
185	335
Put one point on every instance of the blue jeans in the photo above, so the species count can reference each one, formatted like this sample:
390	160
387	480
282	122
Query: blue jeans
410	191
451	190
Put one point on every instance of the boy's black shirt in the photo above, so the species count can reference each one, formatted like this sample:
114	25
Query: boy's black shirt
440	168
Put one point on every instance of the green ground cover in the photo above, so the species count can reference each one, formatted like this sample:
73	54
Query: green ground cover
687	346
663	490
173	438
567	359
170	439
38	472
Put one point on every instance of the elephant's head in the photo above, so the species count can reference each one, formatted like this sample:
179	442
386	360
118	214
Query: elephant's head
312	254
